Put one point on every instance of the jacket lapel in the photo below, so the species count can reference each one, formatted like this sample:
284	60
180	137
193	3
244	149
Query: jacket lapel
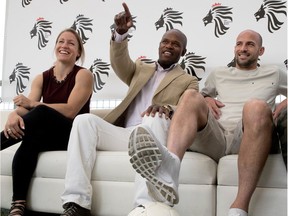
171	75
143	78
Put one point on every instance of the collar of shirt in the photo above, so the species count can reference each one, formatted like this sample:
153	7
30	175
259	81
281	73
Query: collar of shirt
144	99
159	68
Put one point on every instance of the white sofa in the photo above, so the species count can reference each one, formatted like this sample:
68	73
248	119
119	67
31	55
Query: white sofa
206	188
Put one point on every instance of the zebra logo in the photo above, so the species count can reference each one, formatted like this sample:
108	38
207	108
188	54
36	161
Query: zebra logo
25	3
20	75
100	71
271	8
222	17
81	25
192	63
63	1
168	19
41	29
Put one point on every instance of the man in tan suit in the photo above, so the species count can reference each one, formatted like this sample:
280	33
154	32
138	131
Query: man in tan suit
153	90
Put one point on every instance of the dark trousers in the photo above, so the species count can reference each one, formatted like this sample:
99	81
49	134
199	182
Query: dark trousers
282	133
45	130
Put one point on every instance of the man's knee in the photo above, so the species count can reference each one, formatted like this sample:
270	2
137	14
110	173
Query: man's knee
85	119
190	94
192	101
257	112
256	108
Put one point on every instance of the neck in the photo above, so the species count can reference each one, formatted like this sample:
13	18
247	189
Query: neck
164	66
61	71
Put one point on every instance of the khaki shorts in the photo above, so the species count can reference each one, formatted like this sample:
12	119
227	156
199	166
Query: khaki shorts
216	142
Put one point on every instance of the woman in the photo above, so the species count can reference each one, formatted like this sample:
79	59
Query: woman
42	121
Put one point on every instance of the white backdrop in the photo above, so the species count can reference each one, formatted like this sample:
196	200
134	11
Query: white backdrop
28	52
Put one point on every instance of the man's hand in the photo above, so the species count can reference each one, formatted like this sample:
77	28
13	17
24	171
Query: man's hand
214	105
281	106
152	109
123	20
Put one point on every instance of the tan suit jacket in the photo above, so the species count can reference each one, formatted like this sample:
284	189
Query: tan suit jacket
137	74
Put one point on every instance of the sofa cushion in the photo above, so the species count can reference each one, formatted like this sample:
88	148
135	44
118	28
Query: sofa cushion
114	166
274	173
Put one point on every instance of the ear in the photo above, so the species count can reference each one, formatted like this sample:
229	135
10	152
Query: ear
261	51
183	52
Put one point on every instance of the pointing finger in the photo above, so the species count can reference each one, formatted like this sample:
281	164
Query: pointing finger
126	9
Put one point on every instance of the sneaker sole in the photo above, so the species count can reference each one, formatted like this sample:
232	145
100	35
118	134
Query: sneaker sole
145	158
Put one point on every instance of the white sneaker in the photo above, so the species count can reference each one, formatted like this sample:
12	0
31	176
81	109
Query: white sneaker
156	164
237	212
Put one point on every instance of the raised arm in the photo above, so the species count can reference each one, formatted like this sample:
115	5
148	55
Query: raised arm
123	20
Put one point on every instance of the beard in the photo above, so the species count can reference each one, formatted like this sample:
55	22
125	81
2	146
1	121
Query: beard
247	63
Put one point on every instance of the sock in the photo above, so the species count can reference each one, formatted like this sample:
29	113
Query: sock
237	212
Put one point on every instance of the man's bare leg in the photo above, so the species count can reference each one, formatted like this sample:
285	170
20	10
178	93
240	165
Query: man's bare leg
190	117
254	150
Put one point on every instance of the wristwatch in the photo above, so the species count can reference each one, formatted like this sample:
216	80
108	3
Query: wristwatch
170	110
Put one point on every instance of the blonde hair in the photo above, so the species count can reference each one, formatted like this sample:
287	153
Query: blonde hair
79	41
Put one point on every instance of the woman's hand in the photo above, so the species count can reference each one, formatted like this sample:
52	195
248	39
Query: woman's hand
21	100
14	126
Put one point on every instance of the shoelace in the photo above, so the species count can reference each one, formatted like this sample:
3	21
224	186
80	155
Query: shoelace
70	210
